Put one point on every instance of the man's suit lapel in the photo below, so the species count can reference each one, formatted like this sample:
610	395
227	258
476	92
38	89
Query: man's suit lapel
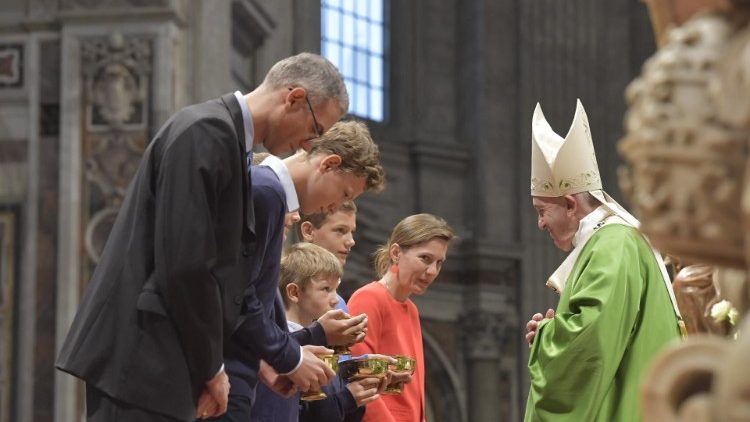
236	112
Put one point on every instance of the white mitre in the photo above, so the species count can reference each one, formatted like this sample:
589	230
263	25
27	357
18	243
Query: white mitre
568	166
562	166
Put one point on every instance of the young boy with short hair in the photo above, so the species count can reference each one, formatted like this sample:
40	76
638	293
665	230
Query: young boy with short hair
308	281
310	276
333	231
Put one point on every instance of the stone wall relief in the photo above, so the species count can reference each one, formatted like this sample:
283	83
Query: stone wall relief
116	72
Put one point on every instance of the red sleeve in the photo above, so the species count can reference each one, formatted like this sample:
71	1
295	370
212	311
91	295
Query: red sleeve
365	301
369	302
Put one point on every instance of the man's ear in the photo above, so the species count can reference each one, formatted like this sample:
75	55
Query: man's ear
306	229
330	162
571	206
292	292
295	95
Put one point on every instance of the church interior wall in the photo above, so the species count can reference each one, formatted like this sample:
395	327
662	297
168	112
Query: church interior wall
464	78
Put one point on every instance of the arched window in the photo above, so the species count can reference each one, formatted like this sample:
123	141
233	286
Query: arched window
354	38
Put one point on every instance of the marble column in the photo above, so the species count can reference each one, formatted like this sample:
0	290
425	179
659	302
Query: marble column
483	338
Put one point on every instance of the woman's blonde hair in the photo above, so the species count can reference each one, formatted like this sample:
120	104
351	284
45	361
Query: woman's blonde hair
412	231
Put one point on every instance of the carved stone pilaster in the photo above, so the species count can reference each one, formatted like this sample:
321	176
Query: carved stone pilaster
116	73
687	147
483	337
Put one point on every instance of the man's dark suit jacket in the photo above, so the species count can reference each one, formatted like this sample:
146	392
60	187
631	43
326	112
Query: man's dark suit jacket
167	293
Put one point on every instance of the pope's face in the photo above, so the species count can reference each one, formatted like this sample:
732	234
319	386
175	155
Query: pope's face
556	217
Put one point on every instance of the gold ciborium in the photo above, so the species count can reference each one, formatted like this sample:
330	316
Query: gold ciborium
365	367
342	350
311	395
403	365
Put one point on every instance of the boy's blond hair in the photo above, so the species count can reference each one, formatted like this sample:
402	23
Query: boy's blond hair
304	261
359	154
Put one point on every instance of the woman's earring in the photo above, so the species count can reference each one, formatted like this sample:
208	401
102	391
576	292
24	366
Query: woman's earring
394	268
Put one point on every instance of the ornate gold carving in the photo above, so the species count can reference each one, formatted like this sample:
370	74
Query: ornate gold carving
695	292
730	91
703	379
685	163
666	14
678	384
689	177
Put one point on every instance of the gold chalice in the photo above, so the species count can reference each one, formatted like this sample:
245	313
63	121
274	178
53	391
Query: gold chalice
367	367
311	395
343	349
403	365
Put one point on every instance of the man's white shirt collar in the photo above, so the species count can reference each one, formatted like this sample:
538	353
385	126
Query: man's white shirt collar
278	167
247	120
294	326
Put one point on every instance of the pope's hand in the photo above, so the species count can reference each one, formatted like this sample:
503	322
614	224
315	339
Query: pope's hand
533	324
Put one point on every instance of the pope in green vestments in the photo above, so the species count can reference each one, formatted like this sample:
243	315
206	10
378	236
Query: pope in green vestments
617	309
614	316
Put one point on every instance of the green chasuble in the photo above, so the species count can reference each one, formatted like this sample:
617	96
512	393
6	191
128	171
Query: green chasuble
613	318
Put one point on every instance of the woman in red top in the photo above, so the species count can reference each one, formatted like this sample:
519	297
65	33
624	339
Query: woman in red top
407	264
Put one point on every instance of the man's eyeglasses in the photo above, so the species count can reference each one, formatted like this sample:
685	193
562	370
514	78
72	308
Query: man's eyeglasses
318	130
